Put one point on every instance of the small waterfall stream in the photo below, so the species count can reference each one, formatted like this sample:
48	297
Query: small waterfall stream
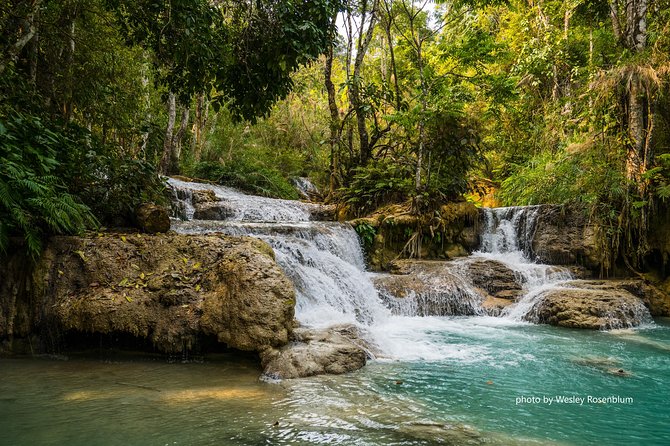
507	238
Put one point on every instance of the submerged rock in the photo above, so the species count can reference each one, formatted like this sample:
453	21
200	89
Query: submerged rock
168	289
589	304
332	351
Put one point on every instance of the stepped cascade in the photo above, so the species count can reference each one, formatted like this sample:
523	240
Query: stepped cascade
326	263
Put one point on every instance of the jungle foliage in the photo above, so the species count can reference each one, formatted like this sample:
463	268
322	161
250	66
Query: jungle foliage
91	90
377	101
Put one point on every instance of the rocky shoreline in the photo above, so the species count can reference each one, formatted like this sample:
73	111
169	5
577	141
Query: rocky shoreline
170	291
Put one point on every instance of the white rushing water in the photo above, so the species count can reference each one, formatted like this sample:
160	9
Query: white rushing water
305	188
243	207
326	264
507	238
323	259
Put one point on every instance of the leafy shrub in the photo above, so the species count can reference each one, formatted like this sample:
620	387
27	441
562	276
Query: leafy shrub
249	176
378	184
366	232
564	178
110	182
34	201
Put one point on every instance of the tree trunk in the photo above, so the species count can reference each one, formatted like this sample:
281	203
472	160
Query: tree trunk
364	39
334	115
636	131
422	118
69	104
34	53
26	34
636	24
175	155
147	104
165	162
633	36
394	69
198	127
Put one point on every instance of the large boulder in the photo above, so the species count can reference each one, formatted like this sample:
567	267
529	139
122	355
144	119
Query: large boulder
168	289
564	236
655	299
589	304
332	351
152	218
494	277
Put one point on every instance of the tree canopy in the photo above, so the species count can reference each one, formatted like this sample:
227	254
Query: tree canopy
379	101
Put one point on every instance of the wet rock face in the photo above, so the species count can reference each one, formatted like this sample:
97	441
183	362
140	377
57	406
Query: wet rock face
204	196
428	288
495	278
213	211
590	304
332	351
152	218
323	212
447	233
654	298
169	289
565	237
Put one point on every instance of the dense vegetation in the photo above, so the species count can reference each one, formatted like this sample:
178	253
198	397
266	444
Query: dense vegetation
549	101
96	95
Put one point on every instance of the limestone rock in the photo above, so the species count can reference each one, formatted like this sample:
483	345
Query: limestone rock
332	351
216	210
168	289
204	196
494	306
323	212
152	218
594	305
563	236
494	277
656	299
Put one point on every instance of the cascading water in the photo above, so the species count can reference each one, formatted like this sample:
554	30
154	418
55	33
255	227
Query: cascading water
326	264
507	238
323	259
453	374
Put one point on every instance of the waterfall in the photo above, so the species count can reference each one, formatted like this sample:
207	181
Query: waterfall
323	259
325	262
509	230
507	238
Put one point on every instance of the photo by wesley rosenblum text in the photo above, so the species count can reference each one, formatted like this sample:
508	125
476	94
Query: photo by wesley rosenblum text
573	399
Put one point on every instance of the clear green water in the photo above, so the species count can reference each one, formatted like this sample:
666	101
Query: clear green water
467	397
